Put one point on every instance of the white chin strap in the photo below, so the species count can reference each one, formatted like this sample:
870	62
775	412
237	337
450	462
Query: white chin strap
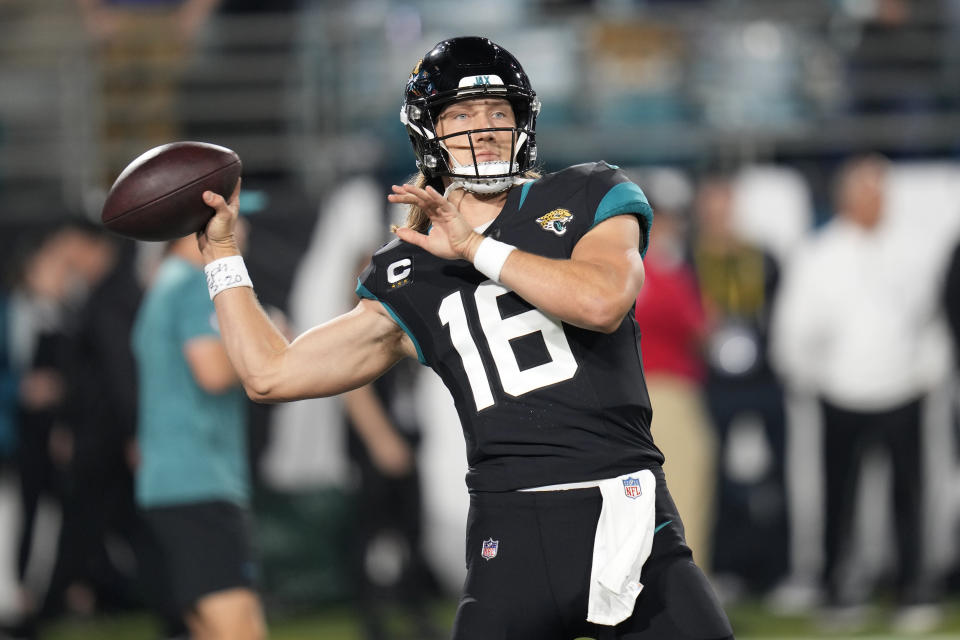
470	182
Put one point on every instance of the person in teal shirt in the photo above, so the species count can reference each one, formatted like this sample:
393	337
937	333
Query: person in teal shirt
193	479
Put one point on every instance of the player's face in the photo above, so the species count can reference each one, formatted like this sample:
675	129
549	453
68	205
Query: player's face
478	113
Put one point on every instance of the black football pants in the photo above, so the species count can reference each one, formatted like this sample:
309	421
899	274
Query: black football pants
536	585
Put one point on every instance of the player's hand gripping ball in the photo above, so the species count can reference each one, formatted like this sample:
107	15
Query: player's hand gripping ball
159	196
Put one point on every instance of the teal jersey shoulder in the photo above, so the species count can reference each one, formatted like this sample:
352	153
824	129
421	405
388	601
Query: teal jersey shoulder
607	192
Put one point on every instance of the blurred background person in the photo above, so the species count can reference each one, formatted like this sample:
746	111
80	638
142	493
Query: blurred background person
672	322
849	327
383	442
738	281
104	561
77	415
44	443
99	418
389	565
193	476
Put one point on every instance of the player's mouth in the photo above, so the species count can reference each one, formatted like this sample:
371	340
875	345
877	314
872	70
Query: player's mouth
486	156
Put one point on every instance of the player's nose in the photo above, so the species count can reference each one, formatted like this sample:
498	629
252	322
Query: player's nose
483	134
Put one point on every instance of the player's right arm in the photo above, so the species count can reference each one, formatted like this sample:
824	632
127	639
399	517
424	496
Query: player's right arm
342	354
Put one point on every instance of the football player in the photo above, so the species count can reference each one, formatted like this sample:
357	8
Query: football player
517	289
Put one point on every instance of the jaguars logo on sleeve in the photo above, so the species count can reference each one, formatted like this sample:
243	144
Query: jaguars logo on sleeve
556	221
571	202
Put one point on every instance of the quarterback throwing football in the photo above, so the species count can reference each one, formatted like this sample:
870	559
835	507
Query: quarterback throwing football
517	289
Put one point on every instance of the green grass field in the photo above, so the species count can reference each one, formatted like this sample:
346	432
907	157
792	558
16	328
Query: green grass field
750	621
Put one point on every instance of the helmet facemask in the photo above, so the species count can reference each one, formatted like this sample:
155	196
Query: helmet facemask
463	69
434	158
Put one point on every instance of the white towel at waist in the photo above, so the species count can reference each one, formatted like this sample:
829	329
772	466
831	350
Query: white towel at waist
622	544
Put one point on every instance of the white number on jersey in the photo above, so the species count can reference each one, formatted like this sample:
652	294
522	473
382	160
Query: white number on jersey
498	332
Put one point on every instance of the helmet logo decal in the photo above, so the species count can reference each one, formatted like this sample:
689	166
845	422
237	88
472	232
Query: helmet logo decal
416	68
479	81
555	221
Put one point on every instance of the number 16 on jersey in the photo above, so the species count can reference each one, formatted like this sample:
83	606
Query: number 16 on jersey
498	332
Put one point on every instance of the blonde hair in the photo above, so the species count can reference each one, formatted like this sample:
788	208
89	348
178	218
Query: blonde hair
417	218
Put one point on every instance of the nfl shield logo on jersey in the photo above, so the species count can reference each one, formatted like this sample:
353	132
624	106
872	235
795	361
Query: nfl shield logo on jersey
489	551
631	487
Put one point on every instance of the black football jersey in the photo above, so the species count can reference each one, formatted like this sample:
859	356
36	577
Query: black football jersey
540	401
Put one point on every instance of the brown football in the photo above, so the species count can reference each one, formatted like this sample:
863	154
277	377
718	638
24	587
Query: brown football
159	196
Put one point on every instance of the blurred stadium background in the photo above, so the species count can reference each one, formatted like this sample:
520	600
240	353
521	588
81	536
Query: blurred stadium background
776	93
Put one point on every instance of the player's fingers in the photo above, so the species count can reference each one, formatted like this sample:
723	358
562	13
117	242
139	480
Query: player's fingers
401	199
413	237
438	201
435	212
429	199
408	190
433	194
401	195
413	190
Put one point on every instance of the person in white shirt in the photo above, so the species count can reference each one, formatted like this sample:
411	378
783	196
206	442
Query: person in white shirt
848	327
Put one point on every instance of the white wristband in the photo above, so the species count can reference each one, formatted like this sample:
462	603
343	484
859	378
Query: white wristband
490	256
226	273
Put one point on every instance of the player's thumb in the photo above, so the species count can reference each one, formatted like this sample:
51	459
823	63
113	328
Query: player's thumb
216	201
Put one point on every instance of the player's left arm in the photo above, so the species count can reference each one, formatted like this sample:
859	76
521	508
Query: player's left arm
595	288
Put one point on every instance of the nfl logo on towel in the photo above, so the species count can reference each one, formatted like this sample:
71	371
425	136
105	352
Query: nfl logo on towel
489	551
631	487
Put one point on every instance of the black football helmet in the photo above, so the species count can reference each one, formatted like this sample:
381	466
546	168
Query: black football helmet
459	69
